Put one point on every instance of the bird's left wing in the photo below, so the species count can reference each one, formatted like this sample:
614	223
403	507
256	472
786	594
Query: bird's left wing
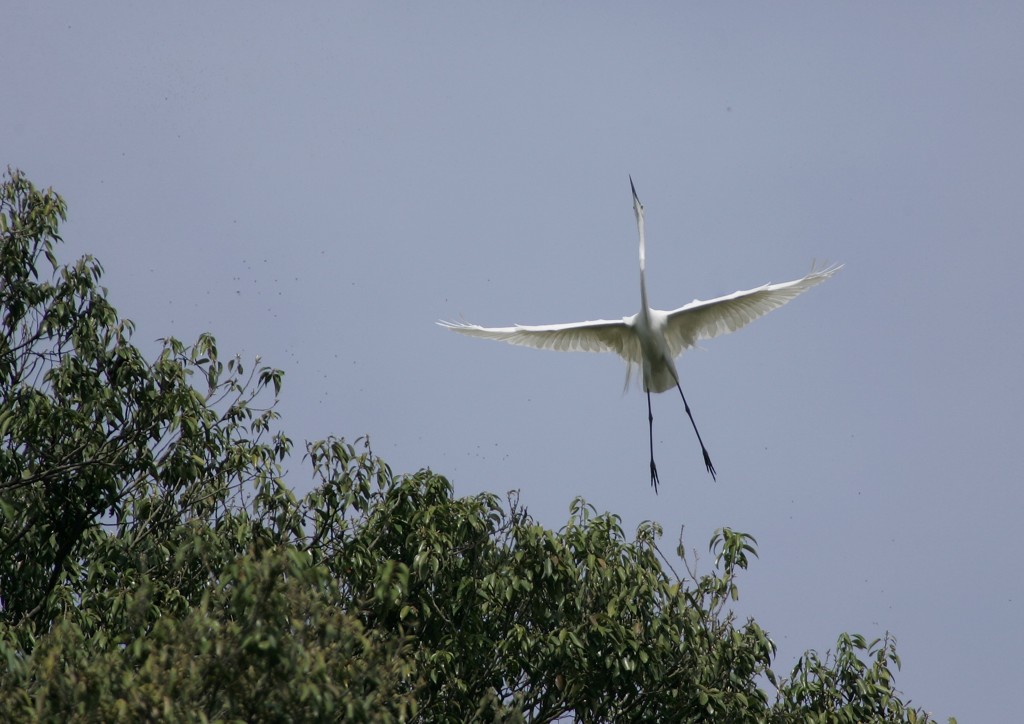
704	320
600	335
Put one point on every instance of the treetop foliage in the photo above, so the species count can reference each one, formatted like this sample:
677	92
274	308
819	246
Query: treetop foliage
154	565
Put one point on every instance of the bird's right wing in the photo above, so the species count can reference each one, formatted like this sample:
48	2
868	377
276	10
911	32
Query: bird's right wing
704	320
597	336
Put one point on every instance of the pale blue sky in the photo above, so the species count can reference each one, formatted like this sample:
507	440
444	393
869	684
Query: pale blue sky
319	185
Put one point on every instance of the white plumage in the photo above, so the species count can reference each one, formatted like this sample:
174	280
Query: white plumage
651	339
681	328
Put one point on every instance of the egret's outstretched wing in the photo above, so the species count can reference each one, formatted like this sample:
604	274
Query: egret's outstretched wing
601	335
704	320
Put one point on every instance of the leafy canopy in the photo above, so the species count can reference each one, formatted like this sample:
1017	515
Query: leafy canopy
153	564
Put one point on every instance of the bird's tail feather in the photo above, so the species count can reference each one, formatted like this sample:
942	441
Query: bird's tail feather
629	375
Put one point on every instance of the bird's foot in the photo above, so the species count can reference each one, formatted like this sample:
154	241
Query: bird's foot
654	476
710	467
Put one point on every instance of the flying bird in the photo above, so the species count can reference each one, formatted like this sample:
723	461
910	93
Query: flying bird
651	339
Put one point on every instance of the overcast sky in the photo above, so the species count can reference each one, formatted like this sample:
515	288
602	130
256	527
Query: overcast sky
319	185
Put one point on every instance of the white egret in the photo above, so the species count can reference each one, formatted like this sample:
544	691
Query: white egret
652	338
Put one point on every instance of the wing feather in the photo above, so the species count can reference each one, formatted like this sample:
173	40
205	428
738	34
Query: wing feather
703	320
600	335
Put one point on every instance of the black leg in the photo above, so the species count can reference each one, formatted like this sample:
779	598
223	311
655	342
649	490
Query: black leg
650	428
707	458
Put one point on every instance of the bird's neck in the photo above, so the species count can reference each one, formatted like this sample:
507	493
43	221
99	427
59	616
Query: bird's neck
644	305
643	263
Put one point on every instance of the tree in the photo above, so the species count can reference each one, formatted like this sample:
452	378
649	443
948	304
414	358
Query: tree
155	565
